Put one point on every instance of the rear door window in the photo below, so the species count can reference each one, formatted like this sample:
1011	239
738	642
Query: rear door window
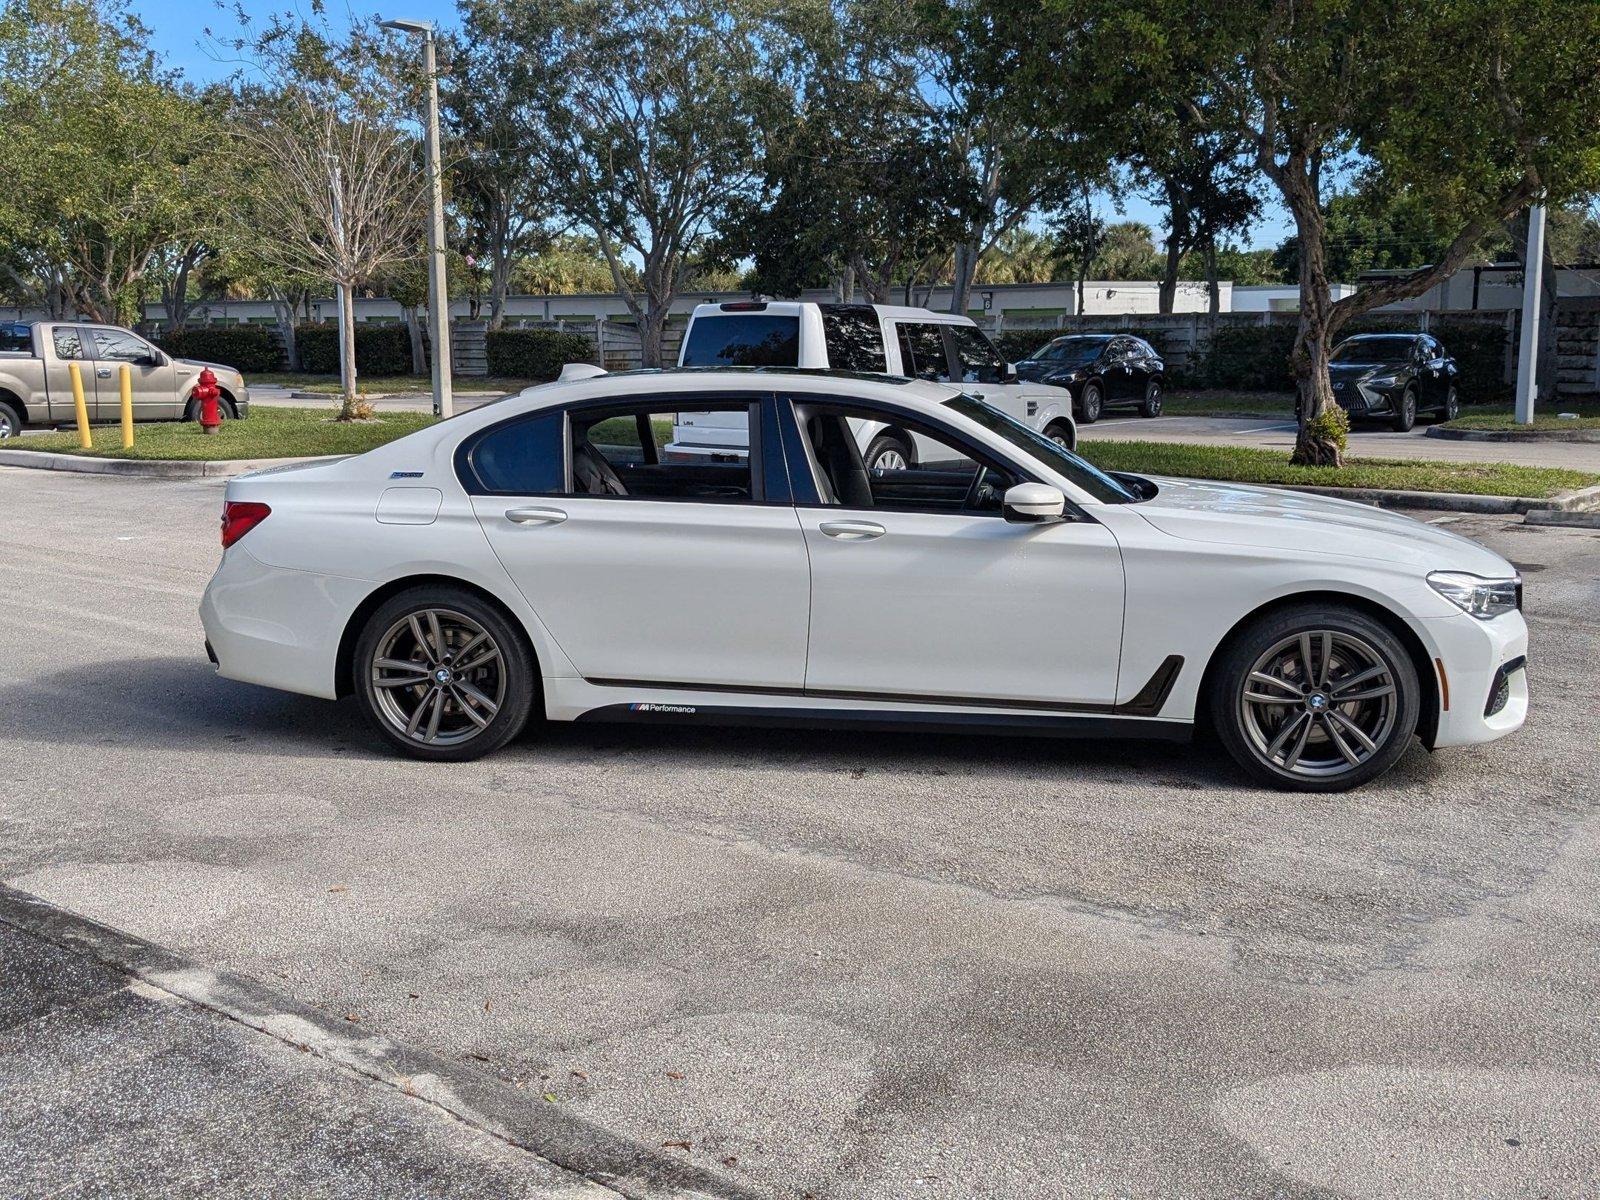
519	458
922	351
69	342
743	340
853	338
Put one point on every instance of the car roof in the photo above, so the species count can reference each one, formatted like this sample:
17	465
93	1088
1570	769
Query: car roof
675	380
1373	337
785	307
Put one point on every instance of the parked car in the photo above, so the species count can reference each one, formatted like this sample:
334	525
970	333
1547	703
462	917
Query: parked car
1394	376
1102	371
872	338
35	387
502	564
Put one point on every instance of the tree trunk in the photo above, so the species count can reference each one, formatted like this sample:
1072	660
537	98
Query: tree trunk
283	308
499	288
652	326
1083	275
966	269
352	409
419	359
1177	240
1308	360
1213	286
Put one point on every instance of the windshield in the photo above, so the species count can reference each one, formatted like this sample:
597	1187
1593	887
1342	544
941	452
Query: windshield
1374	350
1042	450
1071	350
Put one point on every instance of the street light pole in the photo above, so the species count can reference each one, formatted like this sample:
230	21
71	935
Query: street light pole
1532	302
438	289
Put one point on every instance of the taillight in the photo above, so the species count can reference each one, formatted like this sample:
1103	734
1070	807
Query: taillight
239	517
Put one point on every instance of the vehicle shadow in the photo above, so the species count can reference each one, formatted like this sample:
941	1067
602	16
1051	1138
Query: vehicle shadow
180	703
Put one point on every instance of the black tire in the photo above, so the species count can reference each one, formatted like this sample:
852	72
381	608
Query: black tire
225	409
1150	406
1261	740
512	678
10	420
1452	405
1091	403
1062	433
889	445
1405	413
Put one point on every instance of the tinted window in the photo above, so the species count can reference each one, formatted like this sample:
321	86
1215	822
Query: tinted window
520	458
980	361
743	340
626	451
69	343
853	337
1374	350
1145	349
1072	349
16	337
922	352
118	345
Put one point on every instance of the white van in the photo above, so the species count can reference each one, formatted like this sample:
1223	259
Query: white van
879	339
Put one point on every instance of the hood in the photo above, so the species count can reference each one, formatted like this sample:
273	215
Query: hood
1355	370
1272	518
1046	372
216	368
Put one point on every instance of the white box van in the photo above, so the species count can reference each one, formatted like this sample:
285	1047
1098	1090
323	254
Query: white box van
880	339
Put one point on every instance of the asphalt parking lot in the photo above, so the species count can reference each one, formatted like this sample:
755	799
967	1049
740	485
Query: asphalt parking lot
844	965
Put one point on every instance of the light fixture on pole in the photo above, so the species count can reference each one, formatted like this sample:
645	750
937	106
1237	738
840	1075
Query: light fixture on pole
438	293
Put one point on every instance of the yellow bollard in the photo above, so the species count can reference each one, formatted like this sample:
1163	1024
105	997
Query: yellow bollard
127	407
85	438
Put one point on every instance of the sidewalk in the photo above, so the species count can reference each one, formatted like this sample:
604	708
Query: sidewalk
116	1088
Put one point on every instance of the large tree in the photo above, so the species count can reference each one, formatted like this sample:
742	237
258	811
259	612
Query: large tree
655	117
106	158
1474	107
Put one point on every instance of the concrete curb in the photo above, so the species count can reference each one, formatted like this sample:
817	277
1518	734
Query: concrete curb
1574	520
466	1093
1580	501
40	460
1512	435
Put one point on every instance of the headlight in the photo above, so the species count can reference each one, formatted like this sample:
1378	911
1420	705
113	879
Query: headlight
1383	382
1476	596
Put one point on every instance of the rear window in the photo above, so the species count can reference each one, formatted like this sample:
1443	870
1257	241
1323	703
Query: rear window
743	340
14	338
853	338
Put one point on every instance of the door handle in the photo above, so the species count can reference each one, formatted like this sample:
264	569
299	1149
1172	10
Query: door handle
535	516
853	531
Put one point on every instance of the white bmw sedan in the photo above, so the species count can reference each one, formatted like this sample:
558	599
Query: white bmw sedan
543	556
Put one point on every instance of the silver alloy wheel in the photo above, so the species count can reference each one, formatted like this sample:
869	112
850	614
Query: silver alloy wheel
1152	400
438	677
7	429
1060	439
889	460
1452	405
1319	704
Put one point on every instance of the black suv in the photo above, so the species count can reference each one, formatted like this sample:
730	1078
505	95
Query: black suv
1101	370
1394	376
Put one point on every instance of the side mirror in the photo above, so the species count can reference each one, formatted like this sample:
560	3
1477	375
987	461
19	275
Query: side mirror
1034	503
1008	373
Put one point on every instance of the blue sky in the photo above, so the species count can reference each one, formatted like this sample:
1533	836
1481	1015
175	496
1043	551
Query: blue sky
178	29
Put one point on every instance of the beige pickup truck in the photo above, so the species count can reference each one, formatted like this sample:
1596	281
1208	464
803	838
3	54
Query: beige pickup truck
36	388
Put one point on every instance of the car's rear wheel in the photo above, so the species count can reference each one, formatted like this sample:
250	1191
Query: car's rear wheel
1315	698
443	675
1091	403
1405	413
10	421
888	453
1062	434
1151	406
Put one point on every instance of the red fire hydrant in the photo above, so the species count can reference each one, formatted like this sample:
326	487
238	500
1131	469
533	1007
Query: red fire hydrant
206	393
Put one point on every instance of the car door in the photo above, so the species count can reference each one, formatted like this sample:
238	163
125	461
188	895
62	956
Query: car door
154	382
921	590
1122	379
647	570
1433	381
983	370
69	344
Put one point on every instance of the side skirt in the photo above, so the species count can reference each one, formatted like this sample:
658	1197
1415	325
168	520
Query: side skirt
1023	724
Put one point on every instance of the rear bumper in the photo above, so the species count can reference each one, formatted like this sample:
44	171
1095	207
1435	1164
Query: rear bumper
276	627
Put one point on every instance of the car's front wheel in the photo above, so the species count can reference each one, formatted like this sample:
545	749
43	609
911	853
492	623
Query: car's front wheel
1452	405
1091	403
1315	698
1061	433
443	675
888	453
1151	406
1405	412
10	421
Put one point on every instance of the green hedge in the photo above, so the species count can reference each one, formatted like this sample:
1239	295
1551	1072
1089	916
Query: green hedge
535	353
380	349
247	348
1016	346
1252	358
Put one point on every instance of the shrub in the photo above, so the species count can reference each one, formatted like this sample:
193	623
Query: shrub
380	349
246	348
1253	358
1018	344
535	353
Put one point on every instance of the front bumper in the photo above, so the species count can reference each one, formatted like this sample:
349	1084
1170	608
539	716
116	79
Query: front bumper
1482	676
1360	400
